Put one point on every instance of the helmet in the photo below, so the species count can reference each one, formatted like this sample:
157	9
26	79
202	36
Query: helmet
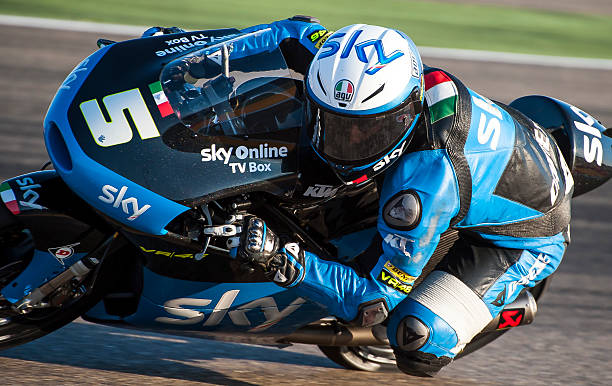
364	96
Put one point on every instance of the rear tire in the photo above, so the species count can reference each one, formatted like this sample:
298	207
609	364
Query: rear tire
363	358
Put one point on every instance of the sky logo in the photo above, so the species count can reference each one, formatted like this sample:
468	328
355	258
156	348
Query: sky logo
333	47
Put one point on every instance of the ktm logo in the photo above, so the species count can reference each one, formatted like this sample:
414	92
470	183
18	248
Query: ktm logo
320	191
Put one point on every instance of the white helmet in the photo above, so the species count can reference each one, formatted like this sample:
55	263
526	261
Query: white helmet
365	96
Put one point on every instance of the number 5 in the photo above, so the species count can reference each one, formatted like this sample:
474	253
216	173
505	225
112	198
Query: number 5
118	130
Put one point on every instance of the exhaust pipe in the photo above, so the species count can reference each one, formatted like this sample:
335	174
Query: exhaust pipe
331	333
520	312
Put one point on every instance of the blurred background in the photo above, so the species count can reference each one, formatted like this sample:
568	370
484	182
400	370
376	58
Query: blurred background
565	51
548	27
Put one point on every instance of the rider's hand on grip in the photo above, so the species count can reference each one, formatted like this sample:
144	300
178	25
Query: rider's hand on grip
261	247
258	244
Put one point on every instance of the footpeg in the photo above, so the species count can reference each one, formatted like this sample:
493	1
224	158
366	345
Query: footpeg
372	313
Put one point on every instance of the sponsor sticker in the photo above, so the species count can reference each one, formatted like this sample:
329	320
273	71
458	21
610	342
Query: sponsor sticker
26	197
344	90
534	271
161	100
62	253
130	205
195	256
316	35
320	191
216	153
188	43
390	281
399	243
390	157
510	318
323	39
399	274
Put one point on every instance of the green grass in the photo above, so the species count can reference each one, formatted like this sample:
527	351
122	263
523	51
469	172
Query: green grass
428	23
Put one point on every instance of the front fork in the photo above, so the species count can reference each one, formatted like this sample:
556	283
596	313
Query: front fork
65	286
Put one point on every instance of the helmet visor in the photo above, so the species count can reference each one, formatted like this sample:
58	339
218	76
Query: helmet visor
349	139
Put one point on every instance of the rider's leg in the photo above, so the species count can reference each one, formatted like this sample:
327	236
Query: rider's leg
457	300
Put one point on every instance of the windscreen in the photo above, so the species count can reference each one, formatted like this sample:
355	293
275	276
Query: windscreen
238	87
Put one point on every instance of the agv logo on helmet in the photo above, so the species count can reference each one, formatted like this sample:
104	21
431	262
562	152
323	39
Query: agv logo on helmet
344	90
360	49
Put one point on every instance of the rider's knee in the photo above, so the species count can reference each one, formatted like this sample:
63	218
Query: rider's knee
423	342
430	327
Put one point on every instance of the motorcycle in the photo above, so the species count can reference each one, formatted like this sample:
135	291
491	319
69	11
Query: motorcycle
160	147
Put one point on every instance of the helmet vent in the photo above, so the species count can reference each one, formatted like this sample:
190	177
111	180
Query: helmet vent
374	93
321	83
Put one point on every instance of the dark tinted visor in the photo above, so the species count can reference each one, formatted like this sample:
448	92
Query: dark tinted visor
349	139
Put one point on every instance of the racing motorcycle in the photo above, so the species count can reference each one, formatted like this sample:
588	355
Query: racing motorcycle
160	147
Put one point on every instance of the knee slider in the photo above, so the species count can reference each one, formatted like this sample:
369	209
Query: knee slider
419	364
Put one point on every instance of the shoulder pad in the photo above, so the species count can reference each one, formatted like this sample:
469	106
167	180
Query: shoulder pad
306	19
403	210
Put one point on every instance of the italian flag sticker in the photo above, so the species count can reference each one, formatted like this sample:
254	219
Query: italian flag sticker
441	95
160	99
8	197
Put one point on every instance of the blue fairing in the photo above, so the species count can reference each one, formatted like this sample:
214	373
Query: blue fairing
87	178
171	304
132	194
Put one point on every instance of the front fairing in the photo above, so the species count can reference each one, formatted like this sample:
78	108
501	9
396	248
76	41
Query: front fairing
113	143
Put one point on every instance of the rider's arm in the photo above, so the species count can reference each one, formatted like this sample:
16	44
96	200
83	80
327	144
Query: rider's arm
418	200
299	38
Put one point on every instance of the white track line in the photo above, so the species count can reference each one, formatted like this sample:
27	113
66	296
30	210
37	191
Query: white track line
70	25
428	52
514	58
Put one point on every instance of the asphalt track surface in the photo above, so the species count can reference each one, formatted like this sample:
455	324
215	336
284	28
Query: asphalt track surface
570	342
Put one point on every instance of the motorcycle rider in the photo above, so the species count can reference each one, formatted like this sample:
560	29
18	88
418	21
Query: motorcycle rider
451	159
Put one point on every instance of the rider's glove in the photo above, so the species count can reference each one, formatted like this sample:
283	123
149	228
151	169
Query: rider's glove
282	263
